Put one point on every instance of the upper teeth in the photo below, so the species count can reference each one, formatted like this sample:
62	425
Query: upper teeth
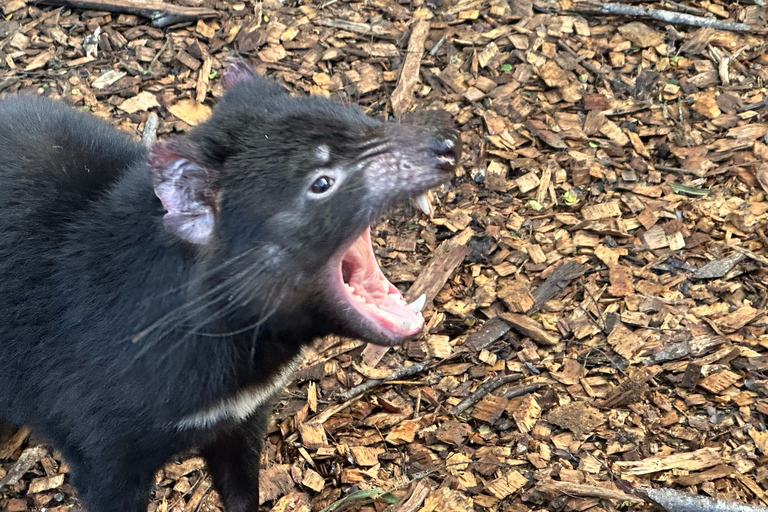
417	305
423	203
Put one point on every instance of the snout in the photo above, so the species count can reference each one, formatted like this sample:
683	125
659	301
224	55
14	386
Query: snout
412	159
445	147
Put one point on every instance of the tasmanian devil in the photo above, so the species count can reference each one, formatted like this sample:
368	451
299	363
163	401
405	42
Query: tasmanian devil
155	301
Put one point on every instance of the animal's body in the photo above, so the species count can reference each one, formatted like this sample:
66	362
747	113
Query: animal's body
156	300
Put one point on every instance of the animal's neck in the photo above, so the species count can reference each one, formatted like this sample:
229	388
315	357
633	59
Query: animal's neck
123	252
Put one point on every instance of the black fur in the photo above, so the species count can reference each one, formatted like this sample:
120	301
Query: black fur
113	329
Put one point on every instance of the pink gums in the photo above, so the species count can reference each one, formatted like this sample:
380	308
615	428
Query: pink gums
378	300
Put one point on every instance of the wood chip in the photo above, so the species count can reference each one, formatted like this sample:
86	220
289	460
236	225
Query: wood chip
578	417
509	483
139	103
402	97
365	456
490	408
274	482
529	327
191	112
313	480
688	461
312	435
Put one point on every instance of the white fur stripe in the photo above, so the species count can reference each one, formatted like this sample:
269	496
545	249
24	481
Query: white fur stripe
244	403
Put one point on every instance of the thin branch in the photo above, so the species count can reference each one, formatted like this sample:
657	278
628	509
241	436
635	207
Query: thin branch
161	13
660	15
404	371
482	390
678	501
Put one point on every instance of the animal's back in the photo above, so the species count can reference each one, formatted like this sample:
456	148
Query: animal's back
54	161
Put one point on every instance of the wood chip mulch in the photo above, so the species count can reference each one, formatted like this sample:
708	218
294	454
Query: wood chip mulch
596	277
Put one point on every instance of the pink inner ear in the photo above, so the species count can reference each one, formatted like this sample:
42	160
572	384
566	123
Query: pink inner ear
236	73
185	189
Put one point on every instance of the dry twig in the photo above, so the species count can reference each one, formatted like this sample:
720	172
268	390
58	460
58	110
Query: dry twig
161	14
660	15
676	501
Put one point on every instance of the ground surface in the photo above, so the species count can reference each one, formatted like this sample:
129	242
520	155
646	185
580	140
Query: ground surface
596	276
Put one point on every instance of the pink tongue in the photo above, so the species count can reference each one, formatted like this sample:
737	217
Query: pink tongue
377	298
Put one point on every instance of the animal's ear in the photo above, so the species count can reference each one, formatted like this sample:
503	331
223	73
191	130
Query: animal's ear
238	72
187	190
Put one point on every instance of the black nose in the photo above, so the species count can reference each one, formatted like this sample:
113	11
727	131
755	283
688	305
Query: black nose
446	146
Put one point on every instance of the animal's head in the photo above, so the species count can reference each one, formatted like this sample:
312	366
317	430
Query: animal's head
286	188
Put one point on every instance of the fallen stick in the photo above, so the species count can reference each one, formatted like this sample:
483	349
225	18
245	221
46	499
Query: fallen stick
402	97
670	500
365	29
555	487
161	13
660	15
677	501
399	373
523	390
482	390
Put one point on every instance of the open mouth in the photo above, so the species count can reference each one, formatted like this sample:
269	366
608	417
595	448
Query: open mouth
379	303
373	308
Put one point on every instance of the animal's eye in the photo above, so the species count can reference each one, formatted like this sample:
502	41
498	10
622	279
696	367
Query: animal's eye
322	185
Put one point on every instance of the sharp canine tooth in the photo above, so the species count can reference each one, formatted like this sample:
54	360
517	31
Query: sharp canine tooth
417	305
422	202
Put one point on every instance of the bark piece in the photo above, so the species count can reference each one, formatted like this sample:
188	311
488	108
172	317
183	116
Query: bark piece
557	281
688	461
402	97
274	482
531	328
516	295
578	417
507	484
25	462
365	455
491	330
162	14
312	435
17	439
445	259
190	111
555	487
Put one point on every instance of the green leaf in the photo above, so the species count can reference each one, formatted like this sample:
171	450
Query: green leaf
213	74
362	494
506	67
679	188
535	205
388	497
570	197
